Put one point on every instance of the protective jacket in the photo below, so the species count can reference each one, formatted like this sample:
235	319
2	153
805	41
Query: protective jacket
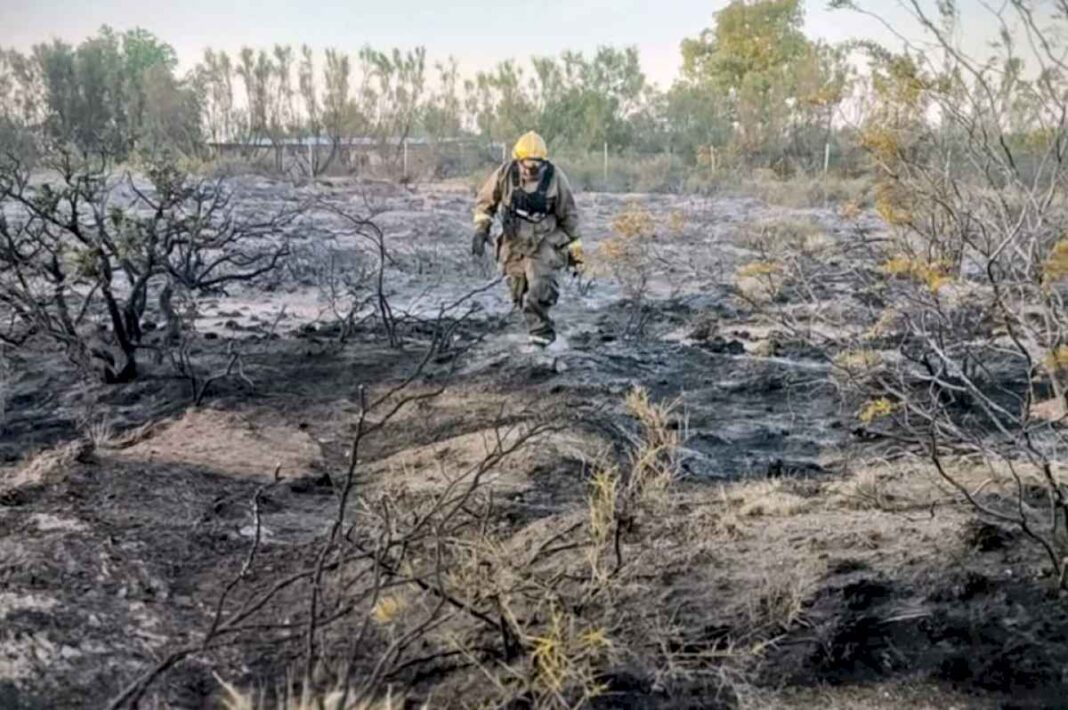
532	212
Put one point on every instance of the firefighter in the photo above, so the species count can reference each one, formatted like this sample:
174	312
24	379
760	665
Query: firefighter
540	234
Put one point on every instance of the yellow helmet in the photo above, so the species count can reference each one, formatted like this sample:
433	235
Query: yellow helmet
530	145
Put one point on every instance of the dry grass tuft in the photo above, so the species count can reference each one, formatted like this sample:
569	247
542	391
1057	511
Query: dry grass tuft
761	499
785	237
804	191
654	463
933	274
759	281
568	656
858	364
782	592
300	697
387	609
604	488
677	222
850	211
864	490
878	408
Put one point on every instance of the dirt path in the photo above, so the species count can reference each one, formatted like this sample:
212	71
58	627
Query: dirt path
747	414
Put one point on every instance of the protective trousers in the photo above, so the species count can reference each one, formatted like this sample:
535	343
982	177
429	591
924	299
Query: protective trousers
532	280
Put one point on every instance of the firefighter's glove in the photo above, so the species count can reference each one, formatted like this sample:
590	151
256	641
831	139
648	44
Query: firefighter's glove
576	259
478	243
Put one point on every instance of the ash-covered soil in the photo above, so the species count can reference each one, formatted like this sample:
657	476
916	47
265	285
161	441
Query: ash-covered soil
125	510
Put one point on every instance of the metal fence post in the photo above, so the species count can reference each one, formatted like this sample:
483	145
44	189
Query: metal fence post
606	164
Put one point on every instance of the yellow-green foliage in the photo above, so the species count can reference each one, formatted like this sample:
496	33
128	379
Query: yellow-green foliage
759	281
902	83
759	268
850	210
1057	359
1039	140
785	237
893	204
677	222
634	222
654	464
387	609
84	263
876	409
617	251
130	241
604	487
883	143
703	155
627	254
886	324
1055	267
933	274
858	363
565	656
901	97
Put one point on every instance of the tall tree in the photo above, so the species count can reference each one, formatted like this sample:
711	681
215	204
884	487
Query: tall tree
215	77
392	95
108	95
341	116
757	63
148	66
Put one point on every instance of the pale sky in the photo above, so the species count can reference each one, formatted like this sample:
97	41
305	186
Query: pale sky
478	33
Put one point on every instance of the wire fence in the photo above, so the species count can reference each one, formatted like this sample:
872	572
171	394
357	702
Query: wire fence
608	169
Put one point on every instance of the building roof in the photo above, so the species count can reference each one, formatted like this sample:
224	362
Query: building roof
349	141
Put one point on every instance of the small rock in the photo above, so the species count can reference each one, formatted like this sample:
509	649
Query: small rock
987	537
721	345
312	484
249	531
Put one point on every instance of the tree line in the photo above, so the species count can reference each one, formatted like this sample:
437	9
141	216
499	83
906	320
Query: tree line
752	85
754	92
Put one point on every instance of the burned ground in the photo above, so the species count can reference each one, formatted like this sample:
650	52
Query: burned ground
125	510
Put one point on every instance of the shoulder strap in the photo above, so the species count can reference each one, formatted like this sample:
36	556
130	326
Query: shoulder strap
546	178
547	175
